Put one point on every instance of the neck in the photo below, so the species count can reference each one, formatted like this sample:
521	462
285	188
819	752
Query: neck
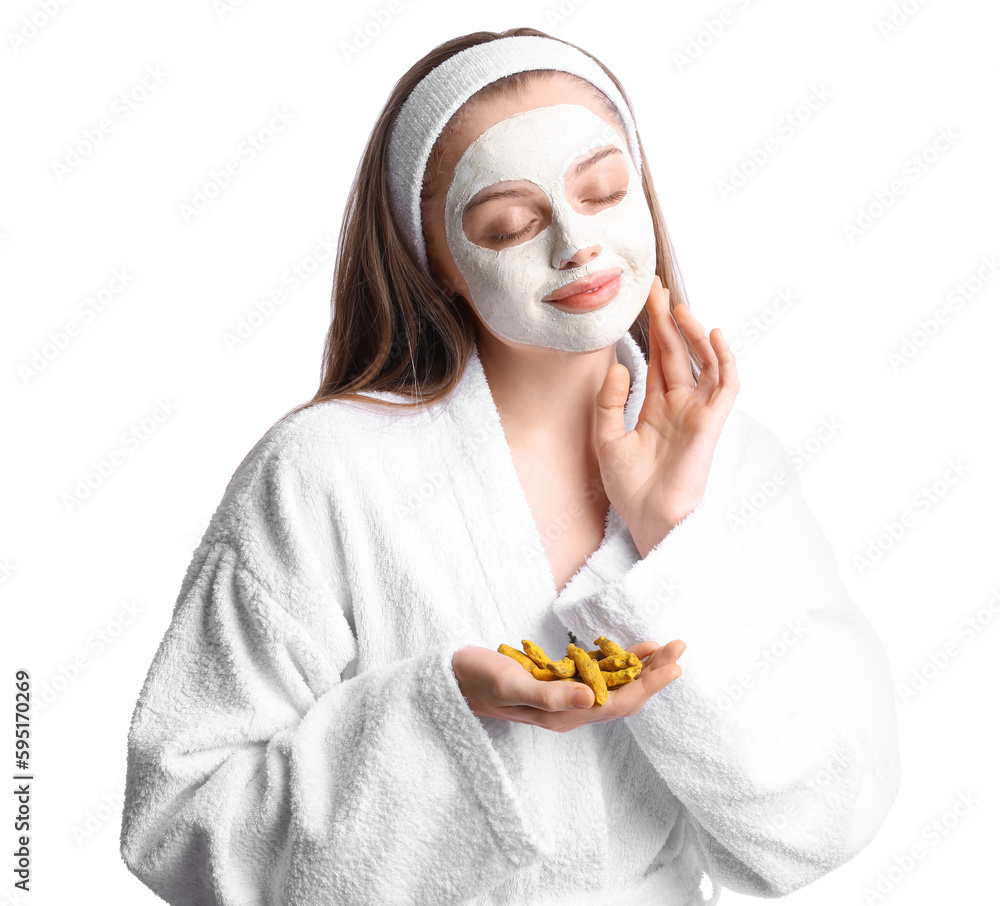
546	397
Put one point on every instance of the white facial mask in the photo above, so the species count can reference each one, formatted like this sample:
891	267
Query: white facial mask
508	285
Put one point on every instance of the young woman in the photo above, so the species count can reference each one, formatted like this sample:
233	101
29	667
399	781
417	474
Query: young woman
489	459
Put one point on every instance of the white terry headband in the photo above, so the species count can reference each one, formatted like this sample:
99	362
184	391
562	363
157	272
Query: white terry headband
437	96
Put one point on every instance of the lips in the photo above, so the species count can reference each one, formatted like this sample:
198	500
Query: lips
584	285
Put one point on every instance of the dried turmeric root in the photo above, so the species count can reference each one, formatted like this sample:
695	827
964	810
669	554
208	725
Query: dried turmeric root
621	677
589	672
608	667
539	673
522	659
609	648
564	668
536	653
614	662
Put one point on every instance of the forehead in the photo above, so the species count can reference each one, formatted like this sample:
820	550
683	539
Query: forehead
546	137
479	116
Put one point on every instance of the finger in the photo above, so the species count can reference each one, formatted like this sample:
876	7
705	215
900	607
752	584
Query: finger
729	382
657	676
631	697
545	695
655	384
675	365
643	650
671	652
524	714
708	377
610	420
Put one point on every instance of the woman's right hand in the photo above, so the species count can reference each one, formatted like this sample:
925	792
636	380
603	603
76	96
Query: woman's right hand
496	685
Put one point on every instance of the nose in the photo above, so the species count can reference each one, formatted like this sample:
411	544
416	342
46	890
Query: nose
579	257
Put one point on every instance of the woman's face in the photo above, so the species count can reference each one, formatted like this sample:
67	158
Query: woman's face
532	195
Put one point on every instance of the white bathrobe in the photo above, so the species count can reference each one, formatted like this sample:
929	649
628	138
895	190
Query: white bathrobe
301	738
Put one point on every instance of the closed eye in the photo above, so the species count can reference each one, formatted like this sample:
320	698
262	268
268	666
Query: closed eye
614	196
504	237
607	199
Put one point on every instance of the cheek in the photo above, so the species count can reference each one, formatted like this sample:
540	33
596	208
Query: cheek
628	227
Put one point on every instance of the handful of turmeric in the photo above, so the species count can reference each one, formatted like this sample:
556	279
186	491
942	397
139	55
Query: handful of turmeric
605	668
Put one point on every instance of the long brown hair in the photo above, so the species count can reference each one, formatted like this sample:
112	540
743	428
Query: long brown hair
392	328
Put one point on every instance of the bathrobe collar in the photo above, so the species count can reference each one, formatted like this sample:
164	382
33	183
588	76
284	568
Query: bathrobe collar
506	522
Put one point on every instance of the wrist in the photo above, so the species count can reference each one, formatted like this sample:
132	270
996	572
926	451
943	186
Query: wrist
650	534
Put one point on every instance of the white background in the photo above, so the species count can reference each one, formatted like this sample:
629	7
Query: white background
113	563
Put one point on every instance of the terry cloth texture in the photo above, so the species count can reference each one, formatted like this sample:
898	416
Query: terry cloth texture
301	738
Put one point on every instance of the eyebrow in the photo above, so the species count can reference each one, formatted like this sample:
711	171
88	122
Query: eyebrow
598	155
520	192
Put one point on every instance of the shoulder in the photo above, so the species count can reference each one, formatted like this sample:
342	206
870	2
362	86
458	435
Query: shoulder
307	461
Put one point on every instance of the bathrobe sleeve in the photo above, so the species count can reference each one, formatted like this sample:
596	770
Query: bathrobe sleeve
261	771
780	738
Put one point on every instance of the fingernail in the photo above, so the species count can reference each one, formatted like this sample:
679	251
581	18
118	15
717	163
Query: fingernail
581	701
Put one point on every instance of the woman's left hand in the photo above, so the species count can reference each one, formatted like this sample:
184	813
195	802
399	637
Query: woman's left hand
655	475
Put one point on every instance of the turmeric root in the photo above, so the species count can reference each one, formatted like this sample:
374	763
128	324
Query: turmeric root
589	672
539	673
607	667
620	677
563	668
614	662
536	653
610	649
522	659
